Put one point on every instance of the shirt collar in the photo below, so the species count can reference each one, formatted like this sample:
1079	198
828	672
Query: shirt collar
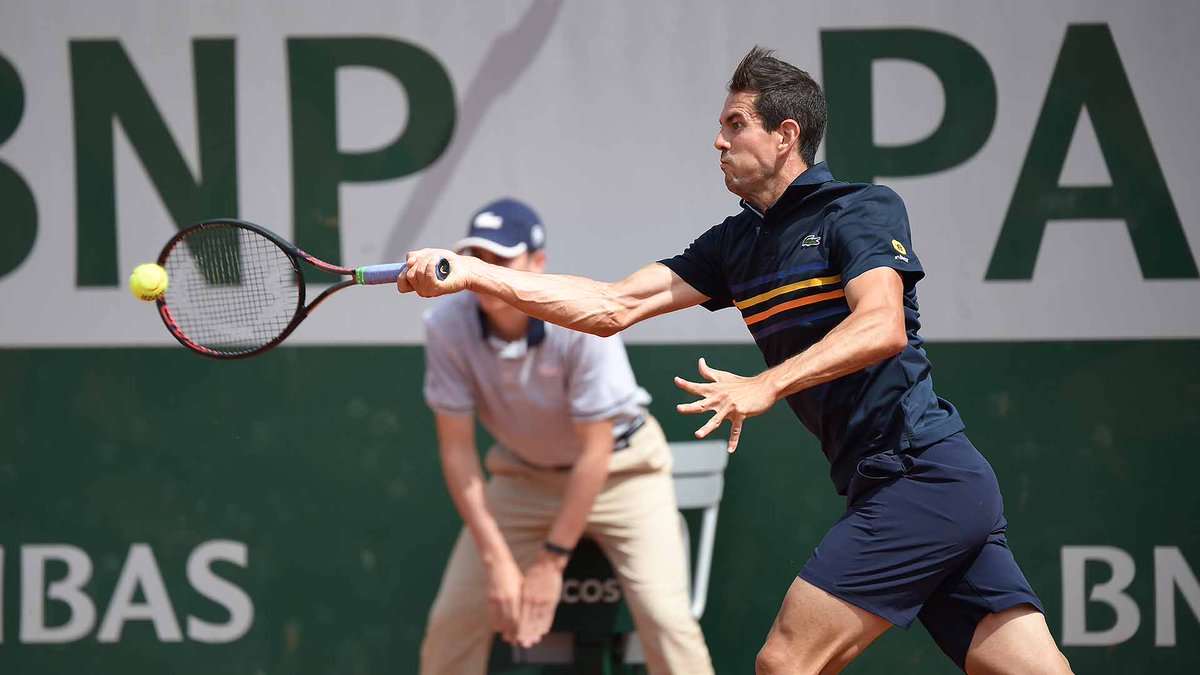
814	175
534	335
747	205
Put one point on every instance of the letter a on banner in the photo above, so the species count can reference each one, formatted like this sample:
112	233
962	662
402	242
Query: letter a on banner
140	571
1089	76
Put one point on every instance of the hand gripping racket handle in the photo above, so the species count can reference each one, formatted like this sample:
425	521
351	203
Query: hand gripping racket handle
373	275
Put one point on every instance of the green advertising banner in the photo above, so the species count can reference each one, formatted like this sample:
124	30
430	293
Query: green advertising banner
164	513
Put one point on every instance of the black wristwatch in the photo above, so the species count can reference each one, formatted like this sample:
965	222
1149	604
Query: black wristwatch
557	550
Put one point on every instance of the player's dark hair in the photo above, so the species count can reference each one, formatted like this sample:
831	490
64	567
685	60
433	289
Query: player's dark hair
784	92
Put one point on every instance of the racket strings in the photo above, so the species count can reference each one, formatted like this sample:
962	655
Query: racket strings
231	289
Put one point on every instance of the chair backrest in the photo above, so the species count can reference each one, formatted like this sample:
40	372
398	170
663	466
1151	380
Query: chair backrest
699	473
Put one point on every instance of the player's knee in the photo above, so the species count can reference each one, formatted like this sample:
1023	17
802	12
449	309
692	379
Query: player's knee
778	658
771	660
784	654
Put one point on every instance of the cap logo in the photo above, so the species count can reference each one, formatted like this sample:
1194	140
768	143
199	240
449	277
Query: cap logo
537	236
488	221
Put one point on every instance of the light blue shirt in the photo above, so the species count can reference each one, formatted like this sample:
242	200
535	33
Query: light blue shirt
528	397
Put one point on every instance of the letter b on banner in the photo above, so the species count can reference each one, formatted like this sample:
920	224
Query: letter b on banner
19	229
68	590
1111	593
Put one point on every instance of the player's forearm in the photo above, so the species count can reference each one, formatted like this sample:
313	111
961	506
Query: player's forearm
863	339
577	303
464	480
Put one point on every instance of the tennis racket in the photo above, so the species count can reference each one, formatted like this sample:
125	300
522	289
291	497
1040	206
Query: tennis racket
236	289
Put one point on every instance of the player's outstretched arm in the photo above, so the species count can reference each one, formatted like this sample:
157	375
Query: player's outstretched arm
578	303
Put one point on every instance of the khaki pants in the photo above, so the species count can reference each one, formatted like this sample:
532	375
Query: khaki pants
634	520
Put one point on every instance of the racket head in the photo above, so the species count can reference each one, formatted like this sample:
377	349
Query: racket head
235	288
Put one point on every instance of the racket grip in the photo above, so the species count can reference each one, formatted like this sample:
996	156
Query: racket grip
387	273
373	275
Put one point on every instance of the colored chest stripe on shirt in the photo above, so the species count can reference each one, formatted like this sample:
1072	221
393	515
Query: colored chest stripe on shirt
798	286
793	302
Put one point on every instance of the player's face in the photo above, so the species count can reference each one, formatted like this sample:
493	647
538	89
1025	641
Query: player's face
749	153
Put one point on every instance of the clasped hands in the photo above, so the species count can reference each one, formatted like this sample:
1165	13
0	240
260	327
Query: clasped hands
522	605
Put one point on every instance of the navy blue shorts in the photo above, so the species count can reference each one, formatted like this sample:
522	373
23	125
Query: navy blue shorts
923	537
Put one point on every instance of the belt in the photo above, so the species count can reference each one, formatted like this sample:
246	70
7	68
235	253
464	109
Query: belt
621	442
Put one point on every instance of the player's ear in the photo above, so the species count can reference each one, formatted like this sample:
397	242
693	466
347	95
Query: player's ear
789	135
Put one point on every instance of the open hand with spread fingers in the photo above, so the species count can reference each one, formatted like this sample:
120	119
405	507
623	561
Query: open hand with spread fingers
728	396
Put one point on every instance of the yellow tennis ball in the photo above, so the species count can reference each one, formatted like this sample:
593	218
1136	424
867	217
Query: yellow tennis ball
148	282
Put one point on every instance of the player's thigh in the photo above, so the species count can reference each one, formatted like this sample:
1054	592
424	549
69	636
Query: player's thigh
815	632
1015	640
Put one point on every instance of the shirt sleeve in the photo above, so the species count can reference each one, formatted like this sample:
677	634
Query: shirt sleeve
700	266
873	232
600	382
447	385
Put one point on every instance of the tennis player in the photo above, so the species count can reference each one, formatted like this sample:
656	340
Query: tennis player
576	453
824	274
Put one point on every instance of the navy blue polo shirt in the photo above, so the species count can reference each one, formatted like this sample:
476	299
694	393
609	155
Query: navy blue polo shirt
786	269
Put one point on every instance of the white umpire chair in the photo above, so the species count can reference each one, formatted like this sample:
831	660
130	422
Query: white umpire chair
699	476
